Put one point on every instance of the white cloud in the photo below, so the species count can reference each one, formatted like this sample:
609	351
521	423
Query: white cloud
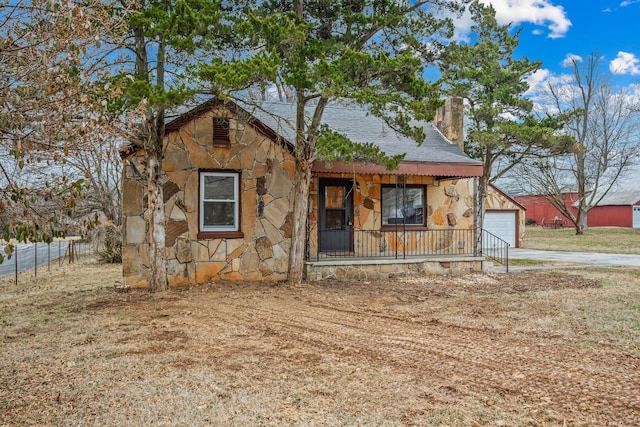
538	12
625	63
537	80
570	59
628	2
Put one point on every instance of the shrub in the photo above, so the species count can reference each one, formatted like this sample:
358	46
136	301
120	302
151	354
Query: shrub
107	243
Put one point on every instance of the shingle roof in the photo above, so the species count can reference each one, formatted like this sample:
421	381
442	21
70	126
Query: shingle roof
355	123
360	126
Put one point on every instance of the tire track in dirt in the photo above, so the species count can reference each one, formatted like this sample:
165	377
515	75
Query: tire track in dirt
571	382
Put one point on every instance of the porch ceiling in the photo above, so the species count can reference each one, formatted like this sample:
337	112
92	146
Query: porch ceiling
458	170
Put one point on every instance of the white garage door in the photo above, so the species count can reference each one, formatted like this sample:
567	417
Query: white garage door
503	225
636	217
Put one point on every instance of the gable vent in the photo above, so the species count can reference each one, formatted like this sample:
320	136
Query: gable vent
221	132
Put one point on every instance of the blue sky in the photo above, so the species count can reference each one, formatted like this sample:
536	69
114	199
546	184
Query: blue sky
552	30
556	30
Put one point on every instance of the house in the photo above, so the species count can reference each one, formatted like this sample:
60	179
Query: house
616	209
228	196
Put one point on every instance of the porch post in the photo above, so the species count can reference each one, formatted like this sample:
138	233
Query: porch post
396	218
404	220
307	245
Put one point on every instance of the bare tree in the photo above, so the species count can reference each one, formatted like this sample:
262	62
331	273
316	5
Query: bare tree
48	105
101	167
604	124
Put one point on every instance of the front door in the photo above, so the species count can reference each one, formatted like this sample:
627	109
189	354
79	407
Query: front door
336	213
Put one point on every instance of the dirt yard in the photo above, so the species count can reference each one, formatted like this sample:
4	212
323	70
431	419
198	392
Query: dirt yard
534	349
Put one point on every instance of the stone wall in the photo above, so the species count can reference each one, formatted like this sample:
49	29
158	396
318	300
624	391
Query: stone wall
266	170
449	205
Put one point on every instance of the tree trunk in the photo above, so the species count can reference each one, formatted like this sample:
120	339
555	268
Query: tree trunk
156	231
580	220
300	218
478	217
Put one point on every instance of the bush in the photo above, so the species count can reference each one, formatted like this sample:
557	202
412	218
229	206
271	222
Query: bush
529	221
107	243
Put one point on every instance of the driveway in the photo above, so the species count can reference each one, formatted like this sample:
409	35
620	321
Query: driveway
580	259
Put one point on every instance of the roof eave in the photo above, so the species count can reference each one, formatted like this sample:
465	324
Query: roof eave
438	169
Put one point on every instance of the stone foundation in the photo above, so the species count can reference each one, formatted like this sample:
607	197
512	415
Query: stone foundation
380	269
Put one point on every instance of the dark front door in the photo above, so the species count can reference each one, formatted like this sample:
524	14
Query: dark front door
336	213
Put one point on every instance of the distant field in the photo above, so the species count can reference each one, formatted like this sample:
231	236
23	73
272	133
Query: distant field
596	239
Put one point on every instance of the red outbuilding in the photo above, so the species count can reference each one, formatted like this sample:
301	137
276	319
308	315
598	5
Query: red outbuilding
616	209
543	213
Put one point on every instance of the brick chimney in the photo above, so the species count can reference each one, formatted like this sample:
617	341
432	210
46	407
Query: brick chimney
449	120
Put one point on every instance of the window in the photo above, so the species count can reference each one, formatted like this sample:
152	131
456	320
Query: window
219	204
403	205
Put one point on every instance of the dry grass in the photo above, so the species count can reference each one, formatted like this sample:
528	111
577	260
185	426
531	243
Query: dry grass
595	239
532	349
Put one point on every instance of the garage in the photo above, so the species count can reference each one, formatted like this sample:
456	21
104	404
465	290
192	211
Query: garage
502	224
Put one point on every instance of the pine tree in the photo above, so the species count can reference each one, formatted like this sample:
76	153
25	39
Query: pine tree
164	38
501	128
369	53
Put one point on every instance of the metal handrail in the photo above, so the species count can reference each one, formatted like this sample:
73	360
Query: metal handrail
495	248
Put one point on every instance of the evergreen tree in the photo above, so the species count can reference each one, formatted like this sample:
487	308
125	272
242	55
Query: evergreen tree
369	52
501	128
163	38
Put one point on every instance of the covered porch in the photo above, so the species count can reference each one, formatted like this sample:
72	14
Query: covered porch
377	224
384	254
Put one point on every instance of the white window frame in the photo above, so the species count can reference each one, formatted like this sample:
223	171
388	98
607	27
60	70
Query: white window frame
235	200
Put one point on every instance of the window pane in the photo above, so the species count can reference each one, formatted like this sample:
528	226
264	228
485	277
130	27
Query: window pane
334	196
218	187
390	210
413	205
402	206
218	214
335	220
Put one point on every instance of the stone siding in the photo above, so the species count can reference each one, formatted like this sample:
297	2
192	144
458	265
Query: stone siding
449	205
266	198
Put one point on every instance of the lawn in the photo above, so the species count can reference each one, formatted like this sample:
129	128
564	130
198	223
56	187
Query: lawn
531	349
594	239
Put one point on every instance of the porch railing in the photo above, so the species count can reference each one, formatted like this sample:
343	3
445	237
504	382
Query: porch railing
495	248
393	244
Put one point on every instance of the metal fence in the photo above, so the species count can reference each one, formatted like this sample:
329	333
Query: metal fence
40	257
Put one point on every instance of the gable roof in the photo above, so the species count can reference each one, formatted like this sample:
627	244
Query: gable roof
505	195
360	126
278	118
620	198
